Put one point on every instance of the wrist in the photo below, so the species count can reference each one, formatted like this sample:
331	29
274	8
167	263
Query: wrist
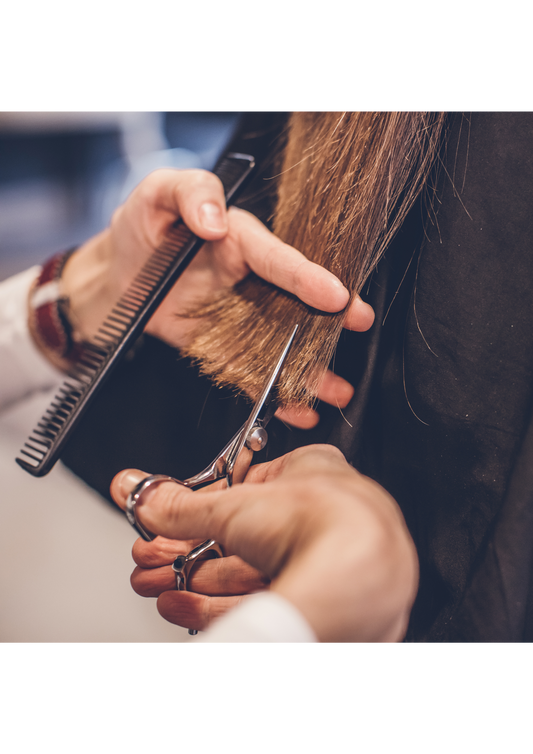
48	320
85	283
69	300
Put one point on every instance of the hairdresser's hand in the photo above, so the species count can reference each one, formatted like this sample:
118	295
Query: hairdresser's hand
238	243
331	541
103	268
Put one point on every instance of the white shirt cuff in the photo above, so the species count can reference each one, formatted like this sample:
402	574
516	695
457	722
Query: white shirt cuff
24	369
262	617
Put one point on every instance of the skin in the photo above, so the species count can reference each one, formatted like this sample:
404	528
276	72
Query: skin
101	270
327	538
298	513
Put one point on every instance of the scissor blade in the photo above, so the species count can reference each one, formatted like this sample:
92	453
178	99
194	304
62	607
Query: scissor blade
264	400
266	396
224	463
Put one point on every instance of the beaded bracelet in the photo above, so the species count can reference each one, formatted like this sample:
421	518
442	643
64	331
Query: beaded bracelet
49	310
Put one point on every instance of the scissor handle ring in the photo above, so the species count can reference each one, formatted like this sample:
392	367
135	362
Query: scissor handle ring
134	499
184	564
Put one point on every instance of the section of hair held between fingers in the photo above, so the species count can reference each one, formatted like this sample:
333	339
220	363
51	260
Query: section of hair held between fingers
347	183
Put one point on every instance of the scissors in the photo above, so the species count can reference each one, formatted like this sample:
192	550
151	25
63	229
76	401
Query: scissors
232	462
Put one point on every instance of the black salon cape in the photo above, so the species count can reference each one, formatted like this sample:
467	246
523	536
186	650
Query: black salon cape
441	415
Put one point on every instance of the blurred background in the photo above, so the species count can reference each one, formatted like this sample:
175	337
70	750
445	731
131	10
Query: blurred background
65	555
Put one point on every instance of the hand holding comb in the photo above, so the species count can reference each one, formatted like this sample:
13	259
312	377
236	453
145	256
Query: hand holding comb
121	328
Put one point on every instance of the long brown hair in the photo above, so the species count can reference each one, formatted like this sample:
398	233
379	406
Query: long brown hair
346	184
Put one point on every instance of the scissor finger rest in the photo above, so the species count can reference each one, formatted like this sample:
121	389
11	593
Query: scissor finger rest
184	564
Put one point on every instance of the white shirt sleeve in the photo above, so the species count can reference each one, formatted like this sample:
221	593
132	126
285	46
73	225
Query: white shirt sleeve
23	369
262	617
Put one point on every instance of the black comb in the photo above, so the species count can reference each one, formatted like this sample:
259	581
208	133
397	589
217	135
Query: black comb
121	328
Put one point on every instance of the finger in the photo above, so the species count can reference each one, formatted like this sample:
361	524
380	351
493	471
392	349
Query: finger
160	551
192	610
178	513
125	482
164	513
360	316
284	266
302	418
218	577
271	470
197	196
128	478
335	390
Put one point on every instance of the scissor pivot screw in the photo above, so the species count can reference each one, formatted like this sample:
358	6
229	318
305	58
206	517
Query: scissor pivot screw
257	439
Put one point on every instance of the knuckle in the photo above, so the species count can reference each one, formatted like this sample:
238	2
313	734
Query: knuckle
200	180
144	553
231	575
277	265
314	489
155	181
163	505
219	575
157	184
139	554
269	262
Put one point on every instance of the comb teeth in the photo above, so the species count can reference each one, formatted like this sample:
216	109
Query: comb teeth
58	414
119	330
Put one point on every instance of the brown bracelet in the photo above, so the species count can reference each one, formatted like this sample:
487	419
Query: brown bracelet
49	321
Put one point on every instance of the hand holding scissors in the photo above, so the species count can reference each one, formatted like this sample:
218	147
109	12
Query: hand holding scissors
232	463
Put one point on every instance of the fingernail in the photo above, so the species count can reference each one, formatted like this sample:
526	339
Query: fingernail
211	217
129	480
342	292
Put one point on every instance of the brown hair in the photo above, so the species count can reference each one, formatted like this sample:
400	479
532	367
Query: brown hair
346	184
